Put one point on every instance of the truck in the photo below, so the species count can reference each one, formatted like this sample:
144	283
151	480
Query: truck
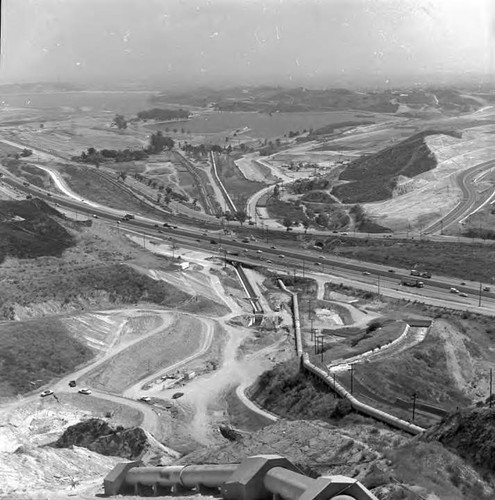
421	274
412	282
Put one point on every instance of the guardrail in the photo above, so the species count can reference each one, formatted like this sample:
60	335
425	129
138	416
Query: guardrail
255	478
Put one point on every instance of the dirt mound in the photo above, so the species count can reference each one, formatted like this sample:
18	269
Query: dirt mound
98	436
29	230
470	433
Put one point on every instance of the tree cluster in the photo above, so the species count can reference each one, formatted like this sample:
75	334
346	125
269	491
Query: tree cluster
163	114
302	186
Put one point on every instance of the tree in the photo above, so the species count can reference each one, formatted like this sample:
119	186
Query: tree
306	224
120	122
287	223
241	216
276	191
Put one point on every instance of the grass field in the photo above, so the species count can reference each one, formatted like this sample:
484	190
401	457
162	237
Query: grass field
86	182
147	356
34	352
238	187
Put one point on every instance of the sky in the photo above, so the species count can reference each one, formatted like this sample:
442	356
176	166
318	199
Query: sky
188	43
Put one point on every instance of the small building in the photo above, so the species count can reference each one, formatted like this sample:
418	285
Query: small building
184	265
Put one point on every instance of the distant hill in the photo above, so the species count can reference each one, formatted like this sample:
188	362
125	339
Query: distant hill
374	177
29	230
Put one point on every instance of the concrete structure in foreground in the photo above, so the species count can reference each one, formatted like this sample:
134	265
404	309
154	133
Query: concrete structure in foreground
261	477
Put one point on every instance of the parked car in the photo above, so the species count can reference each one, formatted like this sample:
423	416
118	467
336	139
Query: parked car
85	390
145	399
72	383
486	289
46	393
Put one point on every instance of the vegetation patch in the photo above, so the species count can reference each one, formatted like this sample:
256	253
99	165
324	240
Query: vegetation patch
287	392
373	178
34	352
29	230
238	187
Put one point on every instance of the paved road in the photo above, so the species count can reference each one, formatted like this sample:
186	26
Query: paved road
466	181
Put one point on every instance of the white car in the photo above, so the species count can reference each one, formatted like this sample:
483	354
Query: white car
454	290
46	393
85	390
462	294
145	399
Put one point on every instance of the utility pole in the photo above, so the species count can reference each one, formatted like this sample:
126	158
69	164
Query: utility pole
479	302
312	329
491	387
321	350
414	396
378	283
351	369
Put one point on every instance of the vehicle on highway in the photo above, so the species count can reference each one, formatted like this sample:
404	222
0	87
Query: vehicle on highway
268	261
177	395
317	264
94	216
412	282
281	256
486	289
57	204
245	240
344	234
454	290
231	252
85	390
129	216
213	242
391	270
259	251
463	282
366	273
46	393
463	294
48	194
273	248
145	399
422	274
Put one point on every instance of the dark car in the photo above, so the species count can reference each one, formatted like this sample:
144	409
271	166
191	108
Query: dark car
72	383
213	242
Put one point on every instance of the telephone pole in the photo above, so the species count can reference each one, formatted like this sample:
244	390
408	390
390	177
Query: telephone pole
491	387
351	369
414	396
479	302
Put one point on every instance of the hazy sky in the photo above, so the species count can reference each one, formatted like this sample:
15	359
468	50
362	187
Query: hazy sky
288	42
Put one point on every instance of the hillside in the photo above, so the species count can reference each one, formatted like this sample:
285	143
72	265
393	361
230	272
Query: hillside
373	178
470	433
31	228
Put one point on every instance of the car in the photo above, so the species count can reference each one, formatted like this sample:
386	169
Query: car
46	393
366	273
72	383
463	282
259	251
85	391
344	234
245	250
177	395
118	222
273	248
166	224
57	204
463	294
245	240
198	240
335	232
317	264
391	270
213	242
486	289
156	225
281	256
268	261
95	216
145	399
454	290
48	194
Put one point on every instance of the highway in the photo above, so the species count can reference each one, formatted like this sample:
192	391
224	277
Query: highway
465	180
252	252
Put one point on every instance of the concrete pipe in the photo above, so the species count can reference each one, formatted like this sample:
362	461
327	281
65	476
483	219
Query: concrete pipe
211	476
163	476
289	485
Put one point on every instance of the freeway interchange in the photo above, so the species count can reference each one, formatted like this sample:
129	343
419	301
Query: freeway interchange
366	276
